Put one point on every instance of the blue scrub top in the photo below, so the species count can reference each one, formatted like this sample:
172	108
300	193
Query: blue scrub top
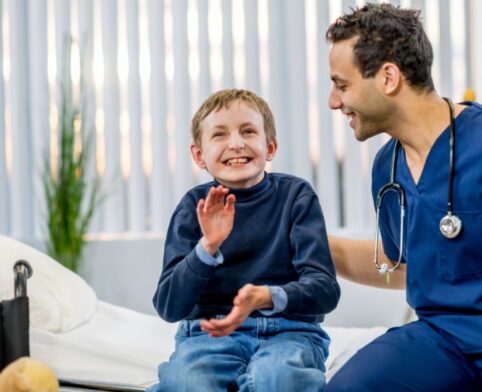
444	276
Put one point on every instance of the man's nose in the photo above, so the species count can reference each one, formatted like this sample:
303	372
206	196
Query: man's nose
334	101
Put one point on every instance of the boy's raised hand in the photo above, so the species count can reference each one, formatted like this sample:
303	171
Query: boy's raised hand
248	299
216	218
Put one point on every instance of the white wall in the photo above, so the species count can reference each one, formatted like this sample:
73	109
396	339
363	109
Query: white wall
125	272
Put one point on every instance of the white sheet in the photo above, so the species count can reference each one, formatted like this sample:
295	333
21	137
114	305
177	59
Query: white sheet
123	346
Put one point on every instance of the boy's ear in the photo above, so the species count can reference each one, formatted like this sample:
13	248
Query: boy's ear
196	153
391	78
272	147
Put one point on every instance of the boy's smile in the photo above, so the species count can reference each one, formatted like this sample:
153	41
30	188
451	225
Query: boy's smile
233	147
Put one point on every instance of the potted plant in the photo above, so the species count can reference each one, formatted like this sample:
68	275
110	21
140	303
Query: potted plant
71	197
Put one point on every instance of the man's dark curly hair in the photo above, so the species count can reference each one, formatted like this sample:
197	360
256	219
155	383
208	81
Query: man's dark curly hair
387	34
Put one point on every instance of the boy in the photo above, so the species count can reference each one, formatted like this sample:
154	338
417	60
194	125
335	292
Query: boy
246	264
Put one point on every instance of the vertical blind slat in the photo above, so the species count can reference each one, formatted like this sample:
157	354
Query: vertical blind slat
21	180
445	49
477	47
347	5
354	198
136	186
298	89
204	52
277	88
4	185
114	202
327	179
161	181
252	46
228	68
469	53
86	44
62	35
354	184
181	99
39	106
419	5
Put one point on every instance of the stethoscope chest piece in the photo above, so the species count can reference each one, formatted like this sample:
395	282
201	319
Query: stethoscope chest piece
450	226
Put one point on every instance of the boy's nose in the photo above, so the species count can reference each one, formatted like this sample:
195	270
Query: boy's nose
236	142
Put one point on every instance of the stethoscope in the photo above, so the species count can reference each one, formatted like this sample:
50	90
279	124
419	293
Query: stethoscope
450	225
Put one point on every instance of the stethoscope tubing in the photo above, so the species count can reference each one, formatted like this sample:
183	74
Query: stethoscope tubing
393	186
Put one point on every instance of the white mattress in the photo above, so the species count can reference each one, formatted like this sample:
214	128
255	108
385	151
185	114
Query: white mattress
119	345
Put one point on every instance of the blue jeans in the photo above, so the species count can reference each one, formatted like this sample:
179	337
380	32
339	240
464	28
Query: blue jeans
264	354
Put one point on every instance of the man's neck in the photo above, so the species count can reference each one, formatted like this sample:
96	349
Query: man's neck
422	119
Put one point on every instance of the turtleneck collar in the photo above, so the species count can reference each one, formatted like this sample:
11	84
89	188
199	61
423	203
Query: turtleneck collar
248	193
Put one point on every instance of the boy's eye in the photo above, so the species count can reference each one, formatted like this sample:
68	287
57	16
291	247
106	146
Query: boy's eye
248	130
217	135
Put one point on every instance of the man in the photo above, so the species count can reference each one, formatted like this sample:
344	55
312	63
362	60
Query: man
380	65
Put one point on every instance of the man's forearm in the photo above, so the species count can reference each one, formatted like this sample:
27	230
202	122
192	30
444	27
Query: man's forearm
353	260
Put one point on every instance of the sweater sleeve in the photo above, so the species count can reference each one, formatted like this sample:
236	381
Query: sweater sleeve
316	291
184	274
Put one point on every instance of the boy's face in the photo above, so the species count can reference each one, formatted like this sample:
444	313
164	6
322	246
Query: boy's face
360	99
233	147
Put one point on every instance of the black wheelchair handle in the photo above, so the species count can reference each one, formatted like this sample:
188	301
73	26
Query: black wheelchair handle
22	271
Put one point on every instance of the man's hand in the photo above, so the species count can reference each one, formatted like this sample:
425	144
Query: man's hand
248	299
215	217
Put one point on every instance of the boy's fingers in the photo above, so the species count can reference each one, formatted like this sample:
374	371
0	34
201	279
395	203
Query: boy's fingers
224	331
207	326
237	301
217	324
209	197
200	206
230	202
226	322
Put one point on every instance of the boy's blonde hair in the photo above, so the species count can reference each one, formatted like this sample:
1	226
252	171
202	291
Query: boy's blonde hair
222	99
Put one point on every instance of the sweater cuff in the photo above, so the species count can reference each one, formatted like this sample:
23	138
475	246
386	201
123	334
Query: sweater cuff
206	258
279	298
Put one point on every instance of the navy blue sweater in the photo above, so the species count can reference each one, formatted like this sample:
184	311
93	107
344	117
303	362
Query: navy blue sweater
278	239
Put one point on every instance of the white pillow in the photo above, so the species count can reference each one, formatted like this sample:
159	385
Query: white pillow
59	299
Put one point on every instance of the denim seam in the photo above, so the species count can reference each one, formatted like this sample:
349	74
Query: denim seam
251	382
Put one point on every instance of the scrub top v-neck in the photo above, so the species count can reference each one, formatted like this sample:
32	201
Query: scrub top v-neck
444	276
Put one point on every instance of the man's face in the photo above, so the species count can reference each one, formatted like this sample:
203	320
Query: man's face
361	100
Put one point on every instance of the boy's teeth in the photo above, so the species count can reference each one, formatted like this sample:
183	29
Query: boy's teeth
237	161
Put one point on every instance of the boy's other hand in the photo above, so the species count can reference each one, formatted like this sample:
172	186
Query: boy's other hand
248	299
216	217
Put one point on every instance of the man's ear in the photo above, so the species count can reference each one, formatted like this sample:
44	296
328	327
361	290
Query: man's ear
272	147
196	153
390	78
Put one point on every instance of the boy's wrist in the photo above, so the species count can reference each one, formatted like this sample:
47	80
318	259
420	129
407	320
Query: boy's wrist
264	299
209	247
